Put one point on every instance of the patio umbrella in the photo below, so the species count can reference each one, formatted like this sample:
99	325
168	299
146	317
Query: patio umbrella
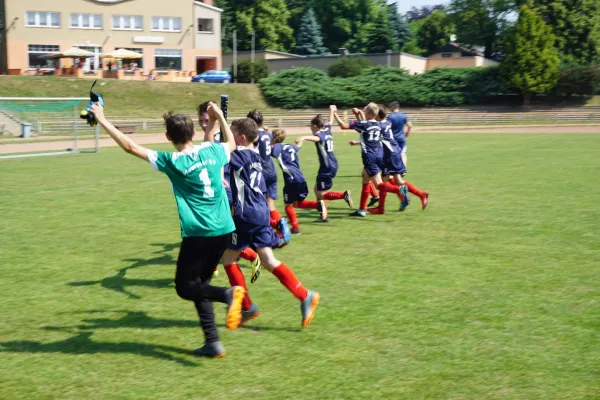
123	54
73	52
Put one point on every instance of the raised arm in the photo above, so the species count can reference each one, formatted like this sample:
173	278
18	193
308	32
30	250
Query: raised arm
122	140
300	140
342	124
215	112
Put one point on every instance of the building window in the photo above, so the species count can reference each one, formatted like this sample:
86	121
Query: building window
128	22
168	59
35	53
86	21
205	25
138	61
42	19
446	55
166	24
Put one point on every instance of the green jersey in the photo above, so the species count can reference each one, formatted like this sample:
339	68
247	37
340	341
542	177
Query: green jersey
197	181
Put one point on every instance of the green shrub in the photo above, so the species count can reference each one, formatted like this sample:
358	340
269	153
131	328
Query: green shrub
579	79
346	67
246	70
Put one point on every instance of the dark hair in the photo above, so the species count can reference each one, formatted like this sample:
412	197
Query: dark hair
203	108
318	121
246	127
180	127
394	105
382	111
256	116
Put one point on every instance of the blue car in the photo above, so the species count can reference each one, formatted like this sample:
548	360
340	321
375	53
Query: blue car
213	76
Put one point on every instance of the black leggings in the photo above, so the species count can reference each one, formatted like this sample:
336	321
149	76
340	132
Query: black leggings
198	258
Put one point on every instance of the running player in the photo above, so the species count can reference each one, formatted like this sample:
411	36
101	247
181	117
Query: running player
328	164
269	172
295	189
252	224
205	219
372	152
399	121
248	254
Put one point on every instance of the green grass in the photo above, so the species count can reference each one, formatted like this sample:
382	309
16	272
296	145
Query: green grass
491	293
136	98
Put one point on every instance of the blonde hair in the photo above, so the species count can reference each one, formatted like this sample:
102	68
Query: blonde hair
278	135
373	109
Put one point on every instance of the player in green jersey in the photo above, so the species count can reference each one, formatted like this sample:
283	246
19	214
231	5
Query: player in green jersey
196	174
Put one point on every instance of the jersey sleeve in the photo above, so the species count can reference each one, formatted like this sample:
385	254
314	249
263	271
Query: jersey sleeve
159	160
235	161
223	154
321	136
276	150
358	126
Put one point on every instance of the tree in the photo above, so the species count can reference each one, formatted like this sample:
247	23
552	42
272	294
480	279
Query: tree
579	79
309	40
435	32
481	22
419	13
374	36
297	10
576	24
531	64
399	27
268	18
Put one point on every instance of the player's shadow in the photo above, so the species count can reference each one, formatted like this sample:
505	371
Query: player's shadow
82	343
119	282
141	320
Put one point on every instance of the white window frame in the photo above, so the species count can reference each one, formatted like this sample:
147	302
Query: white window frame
55	49
41	15
90	18
212	25
131	22
166	24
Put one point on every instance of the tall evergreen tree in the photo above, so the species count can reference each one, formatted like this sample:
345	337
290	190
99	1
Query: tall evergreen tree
435	32
399	27
309	40
531	64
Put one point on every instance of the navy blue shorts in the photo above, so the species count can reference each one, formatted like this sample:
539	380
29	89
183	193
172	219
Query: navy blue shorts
324	182
294	192
271	187
372	163
393	165
253	236
402	144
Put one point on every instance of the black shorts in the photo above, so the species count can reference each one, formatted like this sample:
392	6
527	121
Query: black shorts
294	192
198	258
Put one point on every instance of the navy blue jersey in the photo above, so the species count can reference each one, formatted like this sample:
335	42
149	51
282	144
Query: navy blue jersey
398	121
328	164
370	136
287	155
218	138
390	145
264	148
248	188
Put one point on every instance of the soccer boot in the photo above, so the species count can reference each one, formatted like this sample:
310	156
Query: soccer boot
348	199
235	295
211	350
405	200
322	209
425	200
256	269
252	313
376	211
284	228
308	307
359	213
373	201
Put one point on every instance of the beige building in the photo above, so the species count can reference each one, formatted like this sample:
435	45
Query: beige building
176	34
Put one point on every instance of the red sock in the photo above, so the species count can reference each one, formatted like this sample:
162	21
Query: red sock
304	204
364	196
289	280
275	217
334	196
236	278
248	254
388	187
382	196
291	213
414	190
372	190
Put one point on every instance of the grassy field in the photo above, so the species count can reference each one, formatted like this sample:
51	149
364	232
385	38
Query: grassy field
492	293
135	98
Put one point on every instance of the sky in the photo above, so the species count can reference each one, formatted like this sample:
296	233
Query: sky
405	5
